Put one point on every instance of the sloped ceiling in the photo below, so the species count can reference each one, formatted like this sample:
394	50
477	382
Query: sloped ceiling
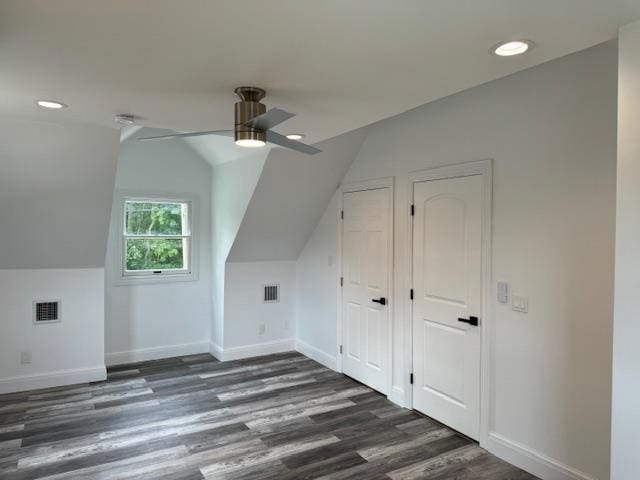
290	197
218	150
56	187
338	64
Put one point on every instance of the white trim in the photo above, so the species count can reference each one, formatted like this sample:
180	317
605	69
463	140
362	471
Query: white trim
464	169
215	350
57	378
531	460
359	186
156	353
373	184
484	168
255	350
397	396
120	279
316	354
338	281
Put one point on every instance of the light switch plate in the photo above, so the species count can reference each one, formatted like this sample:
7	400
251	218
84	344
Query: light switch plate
519	304
503	292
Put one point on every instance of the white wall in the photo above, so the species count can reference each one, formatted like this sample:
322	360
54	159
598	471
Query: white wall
317	273
280	212
625	462
155	320
56	185
71	351
245	310
232	185
551	131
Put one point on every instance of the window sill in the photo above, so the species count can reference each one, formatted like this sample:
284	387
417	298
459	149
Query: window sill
155	279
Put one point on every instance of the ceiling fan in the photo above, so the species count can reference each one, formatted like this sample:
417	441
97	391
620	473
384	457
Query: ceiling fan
253	124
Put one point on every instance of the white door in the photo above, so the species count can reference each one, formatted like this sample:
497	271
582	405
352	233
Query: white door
447	283
365	291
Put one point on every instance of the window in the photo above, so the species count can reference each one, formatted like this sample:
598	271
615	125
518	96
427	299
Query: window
156	237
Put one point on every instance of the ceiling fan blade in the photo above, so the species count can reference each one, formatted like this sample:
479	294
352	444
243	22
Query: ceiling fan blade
270	119
226	133
283	141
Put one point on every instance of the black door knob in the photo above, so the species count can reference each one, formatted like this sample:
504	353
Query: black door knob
381	300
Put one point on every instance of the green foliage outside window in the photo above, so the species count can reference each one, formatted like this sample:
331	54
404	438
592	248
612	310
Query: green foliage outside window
149	227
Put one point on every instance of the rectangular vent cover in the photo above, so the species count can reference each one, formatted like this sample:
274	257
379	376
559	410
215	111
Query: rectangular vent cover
45	312
271	293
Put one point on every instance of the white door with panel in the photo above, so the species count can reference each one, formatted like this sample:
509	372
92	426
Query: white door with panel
366	237
447	283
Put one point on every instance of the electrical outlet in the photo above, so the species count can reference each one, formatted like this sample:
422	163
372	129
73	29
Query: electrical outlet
261	329
25	358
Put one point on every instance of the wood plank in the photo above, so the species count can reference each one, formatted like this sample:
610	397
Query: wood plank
280	416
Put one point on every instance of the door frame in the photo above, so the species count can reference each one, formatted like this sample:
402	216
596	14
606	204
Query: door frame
360	186
466	169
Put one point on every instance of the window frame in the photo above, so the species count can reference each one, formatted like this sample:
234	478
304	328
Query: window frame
128	277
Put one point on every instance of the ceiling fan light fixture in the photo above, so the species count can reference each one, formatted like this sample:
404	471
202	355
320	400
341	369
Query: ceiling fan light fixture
246	136
250	143
511	48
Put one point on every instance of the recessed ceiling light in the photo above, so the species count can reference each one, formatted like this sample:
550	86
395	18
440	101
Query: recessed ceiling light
295	136
250	142
511	48
52	104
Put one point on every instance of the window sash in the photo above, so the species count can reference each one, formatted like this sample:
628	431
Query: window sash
186	207
186	239
154	237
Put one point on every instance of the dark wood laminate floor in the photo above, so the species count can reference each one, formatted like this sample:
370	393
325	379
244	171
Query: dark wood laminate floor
276	417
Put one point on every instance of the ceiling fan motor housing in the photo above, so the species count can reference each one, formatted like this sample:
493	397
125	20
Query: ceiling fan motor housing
247	108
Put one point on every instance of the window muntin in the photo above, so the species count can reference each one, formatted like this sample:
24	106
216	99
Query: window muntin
156	237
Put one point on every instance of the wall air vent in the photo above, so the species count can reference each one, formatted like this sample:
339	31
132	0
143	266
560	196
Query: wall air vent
271	293
46	311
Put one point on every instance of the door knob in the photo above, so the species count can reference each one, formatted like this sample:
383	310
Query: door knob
381	300
471	321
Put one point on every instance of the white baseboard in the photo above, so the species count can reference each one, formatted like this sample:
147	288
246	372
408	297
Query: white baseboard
216	350
531	460
255	350
316	354
398	397
156	353
57	378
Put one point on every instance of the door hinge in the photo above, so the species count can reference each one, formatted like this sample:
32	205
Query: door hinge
411	294
341	281
411	378
413	210
342	214
340	349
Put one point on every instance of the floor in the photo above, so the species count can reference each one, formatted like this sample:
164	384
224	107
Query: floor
279	417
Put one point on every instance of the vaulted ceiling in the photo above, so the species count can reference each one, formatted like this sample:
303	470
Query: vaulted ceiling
56	186
290	197
338	64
